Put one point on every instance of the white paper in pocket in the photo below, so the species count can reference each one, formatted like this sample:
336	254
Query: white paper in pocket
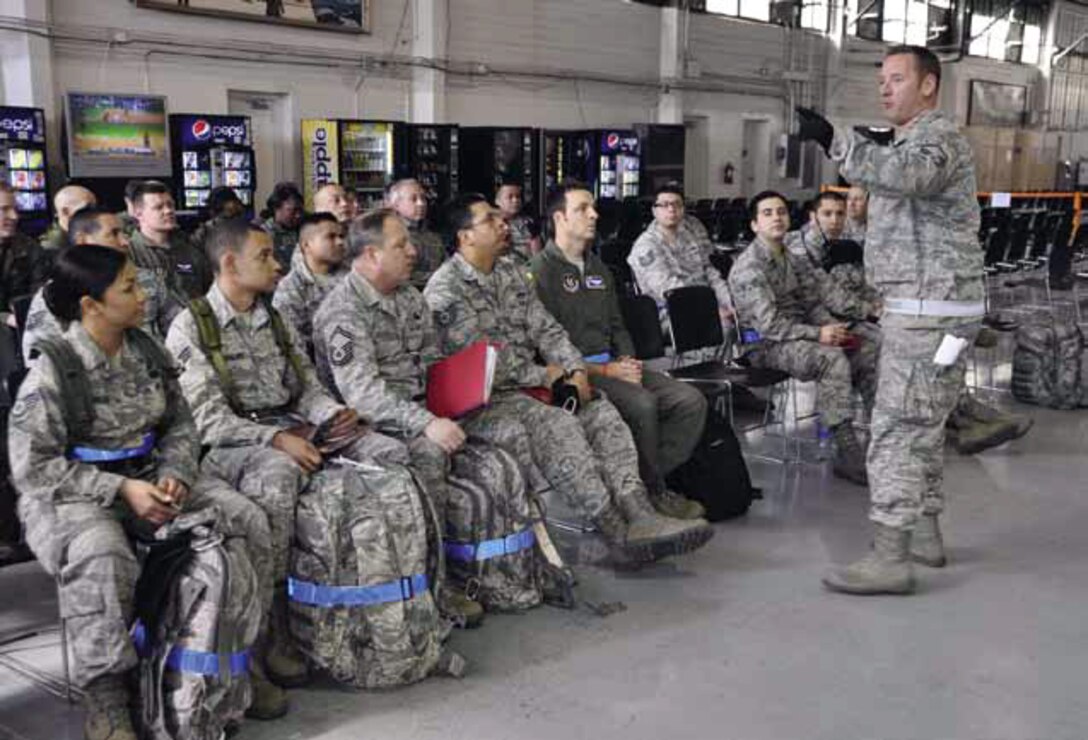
949	351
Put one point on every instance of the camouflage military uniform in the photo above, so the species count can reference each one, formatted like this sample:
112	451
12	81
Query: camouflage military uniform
774	296
521	237
284	242
263	382
374	350
843	289
855	230
75	517
300	293
55	239
185	269
159	312
659	266
922	254
590	459
431	252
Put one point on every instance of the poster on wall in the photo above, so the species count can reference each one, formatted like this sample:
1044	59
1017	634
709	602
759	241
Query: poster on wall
338	15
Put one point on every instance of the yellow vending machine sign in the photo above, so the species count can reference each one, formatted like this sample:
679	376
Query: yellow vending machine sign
320	157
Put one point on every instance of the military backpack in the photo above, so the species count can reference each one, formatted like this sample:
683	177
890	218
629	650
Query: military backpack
1046	365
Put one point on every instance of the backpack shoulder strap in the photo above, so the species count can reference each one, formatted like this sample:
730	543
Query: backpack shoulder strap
160	362
283	341
75	390
211	344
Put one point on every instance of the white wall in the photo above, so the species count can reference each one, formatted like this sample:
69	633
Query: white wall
545	63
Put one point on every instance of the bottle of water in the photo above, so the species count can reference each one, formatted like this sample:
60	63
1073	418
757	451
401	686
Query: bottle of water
824	444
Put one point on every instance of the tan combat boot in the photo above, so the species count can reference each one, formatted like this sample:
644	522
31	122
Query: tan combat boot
926	543
674	505
849	460
885	570
651	536
285	665
269	700
108	715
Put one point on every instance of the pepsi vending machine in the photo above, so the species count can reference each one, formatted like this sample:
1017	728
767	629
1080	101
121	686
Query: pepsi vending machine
620	161
209	152
23	165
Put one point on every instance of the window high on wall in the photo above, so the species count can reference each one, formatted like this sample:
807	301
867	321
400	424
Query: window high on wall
1007	30
811	14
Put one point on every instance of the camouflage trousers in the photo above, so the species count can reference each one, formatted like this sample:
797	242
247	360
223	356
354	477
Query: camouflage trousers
589	458
837	372
913	401
273	481
87	548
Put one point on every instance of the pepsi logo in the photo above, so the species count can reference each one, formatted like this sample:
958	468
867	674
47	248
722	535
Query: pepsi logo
201	130
613	139
16	124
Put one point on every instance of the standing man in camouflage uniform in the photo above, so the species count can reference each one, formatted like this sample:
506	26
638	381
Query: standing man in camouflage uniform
250	394
524	241
924	258
797	334
589	457
316	268
409	200
666	417
68	200
161	246
668	256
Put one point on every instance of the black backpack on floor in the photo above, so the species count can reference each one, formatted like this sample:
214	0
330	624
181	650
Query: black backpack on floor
716	475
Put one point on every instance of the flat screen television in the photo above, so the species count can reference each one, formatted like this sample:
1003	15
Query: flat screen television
115	135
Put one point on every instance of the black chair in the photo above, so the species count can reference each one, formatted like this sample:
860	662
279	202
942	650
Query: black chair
695	325
643	324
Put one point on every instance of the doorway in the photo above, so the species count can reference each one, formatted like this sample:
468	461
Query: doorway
756	157
696	158
273	138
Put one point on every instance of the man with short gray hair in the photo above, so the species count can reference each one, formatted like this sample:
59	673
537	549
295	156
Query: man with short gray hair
409	200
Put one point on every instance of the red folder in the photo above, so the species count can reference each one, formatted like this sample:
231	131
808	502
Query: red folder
461	383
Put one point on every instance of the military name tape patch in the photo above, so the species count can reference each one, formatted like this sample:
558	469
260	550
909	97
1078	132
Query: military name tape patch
595	282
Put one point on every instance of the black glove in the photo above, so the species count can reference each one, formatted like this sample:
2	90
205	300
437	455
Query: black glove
815	127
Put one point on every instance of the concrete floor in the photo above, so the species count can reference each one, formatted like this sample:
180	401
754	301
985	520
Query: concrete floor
740	640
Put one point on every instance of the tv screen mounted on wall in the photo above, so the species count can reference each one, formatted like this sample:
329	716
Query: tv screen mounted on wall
116	135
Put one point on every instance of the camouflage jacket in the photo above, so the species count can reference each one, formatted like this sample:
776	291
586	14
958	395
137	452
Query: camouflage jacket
521	237
848	295
259	371
470	306
431	250
24	267
55	239
922	240
185	270
159	312
284	242
584	303
129	401
773	297
809	244
855	231
659	266
300	293
374	350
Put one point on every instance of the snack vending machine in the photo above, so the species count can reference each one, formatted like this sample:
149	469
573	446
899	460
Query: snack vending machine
210	151
492	156
433	159
620	161
371	153
23	165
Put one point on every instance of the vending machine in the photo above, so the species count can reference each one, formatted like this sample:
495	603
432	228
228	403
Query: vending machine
210	151
23	165
492	156
363	156
434	159
569	155
619	165
662	149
